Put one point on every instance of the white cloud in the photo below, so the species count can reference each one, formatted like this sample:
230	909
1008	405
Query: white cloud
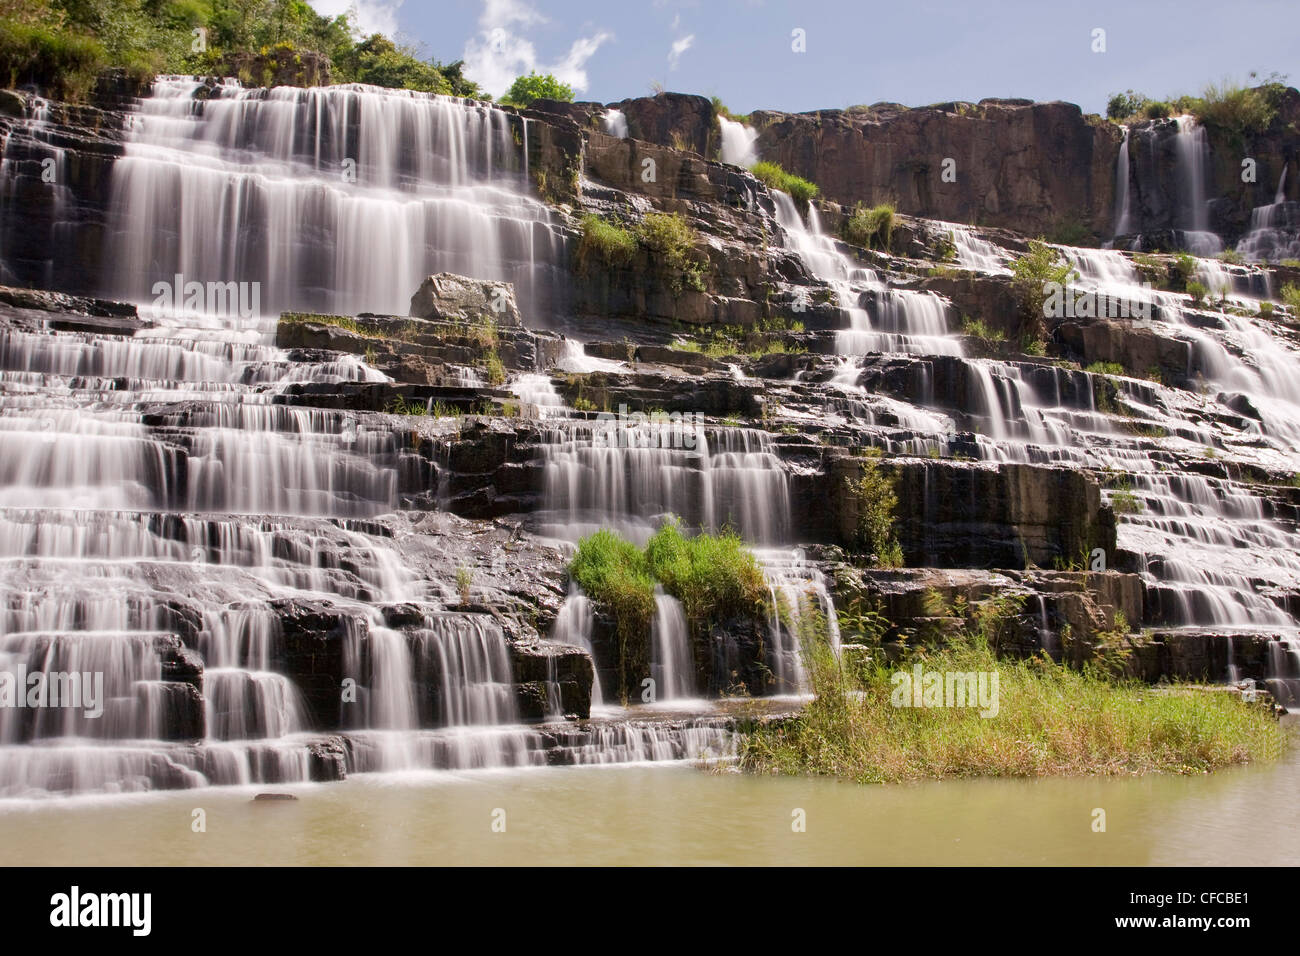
498	53
369	16
679	47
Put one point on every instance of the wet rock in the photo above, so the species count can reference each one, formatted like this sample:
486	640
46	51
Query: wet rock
454	298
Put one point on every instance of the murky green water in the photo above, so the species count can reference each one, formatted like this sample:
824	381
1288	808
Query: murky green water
676	814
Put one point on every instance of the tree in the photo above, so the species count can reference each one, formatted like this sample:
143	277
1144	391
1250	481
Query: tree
525	89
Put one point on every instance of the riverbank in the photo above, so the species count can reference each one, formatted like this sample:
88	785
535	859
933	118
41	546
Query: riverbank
960	711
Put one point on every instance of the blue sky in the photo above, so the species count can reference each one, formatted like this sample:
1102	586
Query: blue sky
907	51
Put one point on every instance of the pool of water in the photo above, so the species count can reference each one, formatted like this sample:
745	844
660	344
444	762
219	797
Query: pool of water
656	814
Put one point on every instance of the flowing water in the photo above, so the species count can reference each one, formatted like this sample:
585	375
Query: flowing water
158	500
738	143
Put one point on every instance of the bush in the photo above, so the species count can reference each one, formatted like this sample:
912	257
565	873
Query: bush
871	228
713	576
800	189
1030	275
62	62
1197	291
1121	106
875	500
1235	108
673	244
1291	297
604	242
1184	269
1050	719
1157	109
525	89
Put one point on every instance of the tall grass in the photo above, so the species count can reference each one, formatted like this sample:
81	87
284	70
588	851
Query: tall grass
1050	720
800	189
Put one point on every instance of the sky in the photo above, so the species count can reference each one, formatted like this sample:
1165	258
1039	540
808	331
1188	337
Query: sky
912	52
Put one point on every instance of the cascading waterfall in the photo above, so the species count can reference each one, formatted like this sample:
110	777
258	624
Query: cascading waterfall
331	199
738	141
671	660
1193	170
1274	229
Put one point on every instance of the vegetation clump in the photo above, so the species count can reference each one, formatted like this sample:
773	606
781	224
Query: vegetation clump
870	228
800	190
874	498
1043	718
1031	274
526	89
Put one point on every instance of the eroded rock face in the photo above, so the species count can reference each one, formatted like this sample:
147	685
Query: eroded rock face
1022	166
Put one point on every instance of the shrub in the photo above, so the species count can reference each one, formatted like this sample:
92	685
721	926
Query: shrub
496	371
1157	109
875	500
1197	291
1184	269
1030	275
1266	310
800	189
525	89
871	228
673	244
1235	108
61	61
979	329
1106	368
464	583
604	242
1231	256
713	576
1121	106
1291	297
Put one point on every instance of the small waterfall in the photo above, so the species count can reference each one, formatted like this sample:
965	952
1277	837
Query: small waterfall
1274	229
904	322
672	663
573	625
973	252
1123	205
738	143
1193	170
615	123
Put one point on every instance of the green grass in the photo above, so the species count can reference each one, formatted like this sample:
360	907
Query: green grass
1106	368
66	61
604	243
979	329
1197	291
496	371
800	189
713	576
1290	295
1050	720
870	228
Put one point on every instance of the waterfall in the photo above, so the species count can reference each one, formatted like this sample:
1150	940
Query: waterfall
904	321
573	625
738	141
1192	147
331	199
1274	229
672	663
615	123
1123	208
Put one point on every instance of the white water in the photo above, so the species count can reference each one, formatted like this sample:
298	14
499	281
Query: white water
615	123
738	141
1193	170
333	199
672	663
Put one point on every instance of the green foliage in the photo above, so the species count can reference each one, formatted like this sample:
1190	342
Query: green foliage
1231	256
713	576
673	245
1071	232
496	371
604	243
1121	106
871	228
464	583
1106	368
525	89
1197	291
61	44
800	189
1050	720
1235	108
63	61
1030	275
979	329
1291	297
875	502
